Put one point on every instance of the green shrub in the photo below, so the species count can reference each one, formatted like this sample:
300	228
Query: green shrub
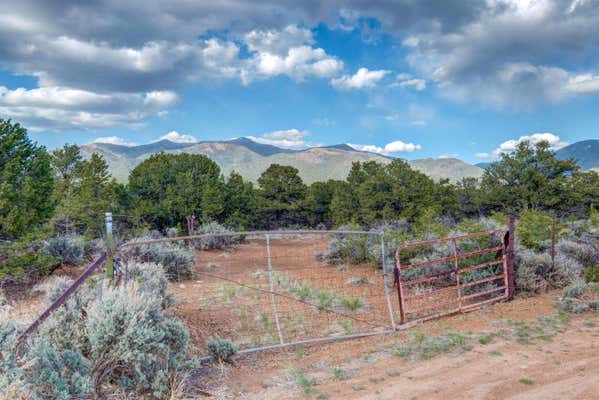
221	349
177	261
349	248
66	249
591	274
324	299
57	373
352	304
25	266
302	291
534	229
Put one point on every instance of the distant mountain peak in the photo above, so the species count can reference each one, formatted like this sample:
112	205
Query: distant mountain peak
260	148
586	152
341	146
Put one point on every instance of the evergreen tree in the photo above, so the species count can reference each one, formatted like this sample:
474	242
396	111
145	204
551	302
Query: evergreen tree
531	177
26	182
166	188
280	194
317	203
469	198
240	202
344	205
378	192
67	163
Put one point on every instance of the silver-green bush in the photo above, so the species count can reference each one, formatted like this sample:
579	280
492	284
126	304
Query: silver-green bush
132	343
10	372
532	270
221	349
66	249
349	248
177	260
215	242
103	338
151	279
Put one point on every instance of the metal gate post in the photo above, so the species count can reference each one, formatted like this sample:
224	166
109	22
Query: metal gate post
510	256
109	247
384	261
397	276
506	276
272	292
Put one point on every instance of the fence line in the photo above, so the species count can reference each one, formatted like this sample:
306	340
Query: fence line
376	303
62	298
250	233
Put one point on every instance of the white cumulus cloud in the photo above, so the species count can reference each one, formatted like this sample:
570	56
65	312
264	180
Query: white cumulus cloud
287	139
394	147
58	108
177	137
114	140
405	80
510	145
363	78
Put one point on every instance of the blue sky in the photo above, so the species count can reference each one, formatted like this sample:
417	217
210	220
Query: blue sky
465	79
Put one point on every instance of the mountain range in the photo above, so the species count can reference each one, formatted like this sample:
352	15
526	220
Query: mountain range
251	158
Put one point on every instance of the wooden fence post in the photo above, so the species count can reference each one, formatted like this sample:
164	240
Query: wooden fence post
191	228
510	257
109	247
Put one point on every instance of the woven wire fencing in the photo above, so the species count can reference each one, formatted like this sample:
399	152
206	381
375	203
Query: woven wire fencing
274	289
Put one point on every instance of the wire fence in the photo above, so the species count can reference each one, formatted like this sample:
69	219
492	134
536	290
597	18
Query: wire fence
274	289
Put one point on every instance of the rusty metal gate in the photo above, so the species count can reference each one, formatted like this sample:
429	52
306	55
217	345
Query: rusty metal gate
457	274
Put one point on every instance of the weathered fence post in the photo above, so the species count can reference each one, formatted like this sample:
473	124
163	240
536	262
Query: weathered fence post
191	228
109	247
397	280
511	257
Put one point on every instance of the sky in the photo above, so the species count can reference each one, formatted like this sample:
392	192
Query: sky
412	79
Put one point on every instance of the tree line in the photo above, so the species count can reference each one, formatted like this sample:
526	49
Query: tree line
60	191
